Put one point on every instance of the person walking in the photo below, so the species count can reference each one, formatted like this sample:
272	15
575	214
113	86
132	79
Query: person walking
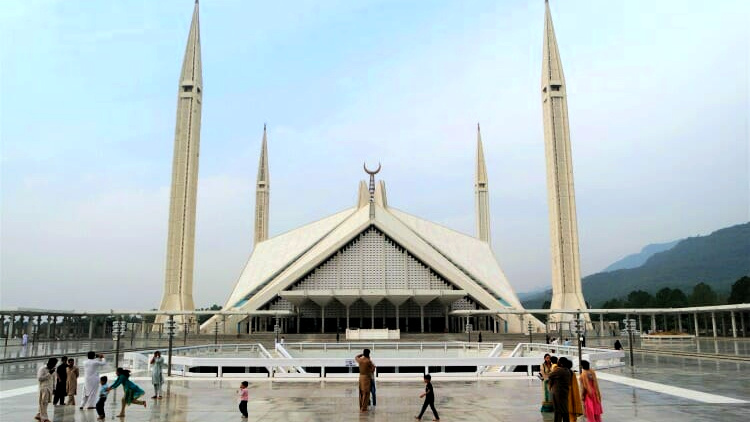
46	377
429	398
559	386
575	406
91	368
61	388
365	378
592	398
544	371
72	383
131	390
157	376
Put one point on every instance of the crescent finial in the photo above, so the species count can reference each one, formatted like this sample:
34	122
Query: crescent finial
370	172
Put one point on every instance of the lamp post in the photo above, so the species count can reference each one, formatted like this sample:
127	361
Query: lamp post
531	328
118	328
170	326
578	327
216	332
630	328
469	328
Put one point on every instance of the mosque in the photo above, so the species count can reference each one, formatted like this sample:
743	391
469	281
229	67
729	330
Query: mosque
371	265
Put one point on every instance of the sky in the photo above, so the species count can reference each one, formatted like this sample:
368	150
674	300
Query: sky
657	97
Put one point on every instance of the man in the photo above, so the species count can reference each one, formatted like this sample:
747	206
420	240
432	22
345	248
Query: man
366	369
91	383
24	339
559	386
46	377
62	383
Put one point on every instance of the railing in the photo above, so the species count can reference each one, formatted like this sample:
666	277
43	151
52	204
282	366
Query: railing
598	358
373	346
282	351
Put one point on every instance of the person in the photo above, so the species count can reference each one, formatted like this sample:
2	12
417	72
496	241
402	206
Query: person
46	377
592	398
618	345
544	370
553	359
566	342
132	391
157	377
559	386
91	382
72	383
372	385
61	388
282	340
103	391
546	337
429	399
365	377
24	339
575	406
243	396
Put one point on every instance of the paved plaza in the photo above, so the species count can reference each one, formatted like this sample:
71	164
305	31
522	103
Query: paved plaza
686	389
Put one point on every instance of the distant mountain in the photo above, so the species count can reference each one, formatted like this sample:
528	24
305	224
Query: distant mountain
637	259
718	259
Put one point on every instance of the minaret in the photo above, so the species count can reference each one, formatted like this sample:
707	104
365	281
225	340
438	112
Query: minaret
566	274
262	192
481	193
178	286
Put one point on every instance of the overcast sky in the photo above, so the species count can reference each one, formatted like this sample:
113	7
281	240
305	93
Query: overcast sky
658	103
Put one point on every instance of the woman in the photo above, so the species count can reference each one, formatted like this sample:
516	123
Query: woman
544	371
157	379
72	382
132	391
592	398
575	407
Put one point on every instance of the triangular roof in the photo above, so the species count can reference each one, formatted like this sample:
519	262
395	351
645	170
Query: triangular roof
278	263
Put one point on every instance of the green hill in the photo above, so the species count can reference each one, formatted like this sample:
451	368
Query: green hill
718	259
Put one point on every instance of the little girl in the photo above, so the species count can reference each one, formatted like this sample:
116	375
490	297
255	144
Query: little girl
242	394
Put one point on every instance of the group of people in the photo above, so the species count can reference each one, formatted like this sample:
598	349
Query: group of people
367	388
57	382
562	394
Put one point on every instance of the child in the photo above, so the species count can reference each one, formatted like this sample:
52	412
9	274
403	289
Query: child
243	395
429	399
103	391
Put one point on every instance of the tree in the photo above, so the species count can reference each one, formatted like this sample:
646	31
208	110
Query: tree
639	299
670	298
740	291
703	295
204	318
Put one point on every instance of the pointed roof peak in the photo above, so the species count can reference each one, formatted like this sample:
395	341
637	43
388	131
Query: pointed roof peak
481	167
263	175
552	73
192	71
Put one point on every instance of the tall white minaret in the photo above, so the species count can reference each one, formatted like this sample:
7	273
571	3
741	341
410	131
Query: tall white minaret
481	193
178	285
262	193
566	273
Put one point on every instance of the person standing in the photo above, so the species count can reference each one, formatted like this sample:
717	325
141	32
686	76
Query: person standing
618	345
575	406
103	391
559	386
429	399
544	371
61	388
72	383
157	376
373	396
46	377
592	398
365	378
244	396
91	367
24	339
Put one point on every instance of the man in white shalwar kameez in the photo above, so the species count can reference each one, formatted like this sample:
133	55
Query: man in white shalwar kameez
46	377
91	381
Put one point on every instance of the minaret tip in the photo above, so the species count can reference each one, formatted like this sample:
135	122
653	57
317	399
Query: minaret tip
264	124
